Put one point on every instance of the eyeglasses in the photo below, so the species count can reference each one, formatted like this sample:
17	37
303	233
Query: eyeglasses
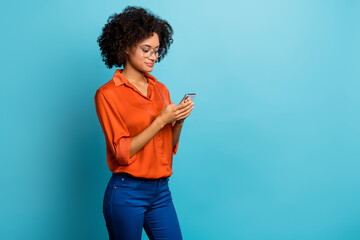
147	53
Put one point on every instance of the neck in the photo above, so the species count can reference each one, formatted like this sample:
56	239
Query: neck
133	75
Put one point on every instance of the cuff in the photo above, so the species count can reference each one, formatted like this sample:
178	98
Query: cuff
122	151
175	148
177	144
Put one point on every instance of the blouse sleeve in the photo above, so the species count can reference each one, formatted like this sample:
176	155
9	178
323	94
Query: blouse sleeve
176	145
174	150
115	131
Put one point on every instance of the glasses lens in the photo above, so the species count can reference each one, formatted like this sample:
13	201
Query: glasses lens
148	53
160	52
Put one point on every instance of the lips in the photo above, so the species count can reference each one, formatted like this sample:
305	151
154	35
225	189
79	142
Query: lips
150	64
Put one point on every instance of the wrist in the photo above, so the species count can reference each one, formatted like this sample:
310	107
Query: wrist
179	122
160	122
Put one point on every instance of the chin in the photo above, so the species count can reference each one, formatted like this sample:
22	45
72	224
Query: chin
149	69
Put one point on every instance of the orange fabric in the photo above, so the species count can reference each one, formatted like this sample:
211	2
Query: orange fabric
124	112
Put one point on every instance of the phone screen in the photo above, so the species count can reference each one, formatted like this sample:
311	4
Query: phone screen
188	95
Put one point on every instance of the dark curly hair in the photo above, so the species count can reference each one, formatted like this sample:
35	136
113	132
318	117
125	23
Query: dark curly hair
127	29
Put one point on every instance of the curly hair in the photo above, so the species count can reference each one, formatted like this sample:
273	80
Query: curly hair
127	29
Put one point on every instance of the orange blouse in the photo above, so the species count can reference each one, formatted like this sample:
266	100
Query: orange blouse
124	112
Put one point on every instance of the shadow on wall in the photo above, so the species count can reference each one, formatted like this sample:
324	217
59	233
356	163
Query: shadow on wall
80	145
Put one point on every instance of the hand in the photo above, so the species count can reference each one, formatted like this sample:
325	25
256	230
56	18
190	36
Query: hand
187	101
173	112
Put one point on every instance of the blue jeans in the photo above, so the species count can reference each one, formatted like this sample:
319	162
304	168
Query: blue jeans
133	203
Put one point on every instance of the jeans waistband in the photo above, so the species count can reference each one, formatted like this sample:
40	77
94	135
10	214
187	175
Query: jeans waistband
127	175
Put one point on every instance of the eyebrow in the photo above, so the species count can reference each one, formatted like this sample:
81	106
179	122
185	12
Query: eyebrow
150	46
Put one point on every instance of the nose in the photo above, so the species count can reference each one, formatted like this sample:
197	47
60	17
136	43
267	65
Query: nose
153	57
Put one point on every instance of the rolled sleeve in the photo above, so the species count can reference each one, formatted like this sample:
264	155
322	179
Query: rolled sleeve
175	148
115	131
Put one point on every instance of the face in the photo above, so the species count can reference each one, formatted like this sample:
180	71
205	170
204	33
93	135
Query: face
135	56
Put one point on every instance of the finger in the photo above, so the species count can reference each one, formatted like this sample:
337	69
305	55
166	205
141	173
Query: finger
185	103
182	115
179	107
186	111
188	104
186	114
182	110
186	108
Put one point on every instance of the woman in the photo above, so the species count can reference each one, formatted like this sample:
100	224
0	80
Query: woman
141	127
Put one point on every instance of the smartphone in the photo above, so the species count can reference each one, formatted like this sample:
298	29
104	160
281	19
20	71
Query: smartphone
188	95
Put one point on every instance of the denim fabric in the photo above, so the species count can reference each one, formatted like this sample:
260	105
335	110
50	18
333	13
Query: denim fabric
133	203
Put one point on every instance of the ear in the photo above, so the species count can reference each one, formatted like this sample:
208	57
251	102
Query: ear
128	50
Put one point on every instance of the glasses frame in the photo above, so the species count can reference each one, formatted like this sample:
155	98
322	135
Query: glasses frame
154	51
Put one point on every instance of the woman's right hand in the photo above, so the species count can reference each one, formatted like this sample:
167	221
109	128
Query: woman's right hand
173	112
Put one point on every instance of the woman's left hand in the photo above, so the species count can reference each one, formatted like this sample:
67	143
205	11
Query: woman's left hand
187	112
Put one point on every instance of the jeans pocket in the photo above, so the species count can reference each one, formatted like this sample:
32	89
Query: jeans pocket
125	182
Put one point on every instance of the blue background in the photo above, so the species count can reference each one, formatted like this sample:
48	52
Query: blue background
271	150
